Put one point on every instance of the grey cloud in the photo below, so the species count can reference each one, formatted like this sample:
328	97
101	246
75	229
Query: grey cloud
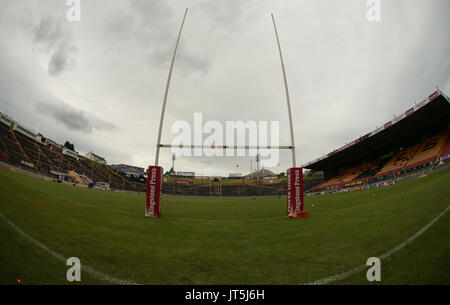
119	26
55	42
154	26
61	59
187	62
229	15
72	118
191	63
345	75
47	32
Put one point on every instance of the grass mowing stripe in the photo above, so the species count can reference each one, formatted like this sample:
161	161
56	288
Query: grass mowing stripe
383	256
60	257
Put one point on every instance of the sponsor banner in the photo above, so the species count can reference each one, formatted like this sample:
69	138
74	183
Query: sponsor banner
385	183
27	163
433	96
409	111
354	189
186	174
294	190
154	190
183	181
131	170
69	152
358	188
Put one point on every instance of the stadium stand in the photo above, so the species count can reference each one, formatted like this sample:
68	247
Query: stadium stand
412	157
22	148
428	151
446	148
415	141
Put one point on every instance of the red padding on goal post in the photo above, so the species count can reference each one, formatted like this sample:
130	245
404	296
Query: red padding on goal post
294	190
154	190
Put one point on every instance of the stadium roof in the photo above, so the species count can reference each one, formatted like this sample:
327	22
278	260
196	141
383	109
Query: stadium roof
430	116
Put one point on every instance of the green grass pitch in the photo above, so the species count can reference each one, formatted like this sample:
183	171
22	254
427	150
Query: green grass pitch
223	241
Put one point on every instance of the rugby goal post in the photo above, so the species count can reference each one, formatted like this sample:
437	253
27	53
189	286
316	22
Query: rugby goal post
155	172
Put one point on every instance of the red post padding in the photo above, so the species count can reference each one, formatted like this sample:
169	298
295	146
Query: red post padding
294	190
154	191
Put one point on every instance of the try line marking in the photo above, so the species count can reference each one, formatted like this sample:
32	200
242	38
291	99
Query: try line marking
89	270
360	268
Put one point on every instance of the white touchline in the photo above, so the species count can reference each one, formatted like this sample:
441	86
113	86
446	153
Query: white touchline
360	268
60	257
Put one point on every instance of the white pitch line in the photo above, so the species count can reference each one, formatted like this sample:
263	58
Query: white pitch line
323	281
360	268
60	257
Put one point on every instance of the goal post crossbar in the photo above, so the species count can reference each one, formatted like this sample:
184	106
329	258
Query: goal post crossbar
224	146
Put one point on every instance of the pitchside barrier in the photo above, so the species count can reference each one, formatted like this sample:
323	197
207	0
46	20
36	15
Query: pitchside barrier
295	176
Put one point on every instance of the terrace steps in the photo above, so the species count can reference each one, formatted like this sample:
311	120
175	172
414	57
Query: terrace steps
46	157
21	149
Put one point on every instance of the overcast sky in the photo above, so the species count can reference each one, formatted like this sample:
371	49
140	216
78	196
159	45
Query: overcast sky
99	83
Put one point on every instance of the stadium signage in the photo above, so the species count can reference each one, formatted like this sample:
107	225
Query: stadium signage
294	190
186	174
130	170
433	96
409	111
26	163
154	188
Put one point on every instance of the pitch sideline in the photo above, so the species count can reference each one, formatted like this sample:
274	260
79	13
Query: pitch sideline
360	268
60	257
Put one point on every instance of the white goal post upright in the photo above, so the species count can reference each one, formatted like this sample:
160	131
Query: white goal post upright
163	110
155	172
294	175
288	100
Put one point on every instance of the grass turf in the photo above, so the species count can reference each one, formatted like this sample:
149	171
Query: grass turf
223	241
